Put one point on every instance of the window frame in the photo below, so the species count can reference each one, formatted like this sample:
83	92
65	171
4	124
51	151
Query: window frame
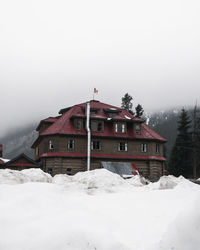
157	148
51	144
123	127
122	146
137	131
94	145
97	124
69	143
144	147
80	122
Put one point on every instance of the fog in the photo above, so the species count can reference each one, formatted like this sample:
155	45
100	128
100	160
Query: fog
53	53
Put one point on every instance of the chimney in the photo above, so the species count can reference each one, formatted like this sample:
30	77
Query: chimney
1	150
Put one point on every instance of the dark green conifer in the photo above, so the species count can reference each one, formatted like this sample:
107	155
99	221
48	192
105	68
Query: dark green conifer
180	162
139	111
127	102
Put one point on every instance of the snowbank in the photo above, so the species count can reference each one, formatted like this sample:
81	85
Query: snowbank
8	176
93	181
170	182
137	181
58	214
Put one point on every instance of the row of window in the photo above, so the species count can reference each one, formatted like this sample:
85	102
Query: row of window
96	145
98	126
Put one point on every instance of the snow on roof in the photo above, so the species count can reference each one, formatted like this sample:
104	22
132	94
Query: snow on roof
4	160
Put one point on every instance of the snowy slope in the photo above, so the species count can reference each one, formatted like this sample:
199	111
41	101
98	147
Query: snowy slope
97	210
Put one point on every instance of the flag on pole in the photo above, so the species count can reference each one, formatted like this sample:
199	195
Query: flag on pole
95	91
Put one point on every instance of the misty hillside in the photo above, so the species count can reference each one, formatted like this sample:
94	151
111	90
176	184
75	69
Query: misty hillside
20	141
165	124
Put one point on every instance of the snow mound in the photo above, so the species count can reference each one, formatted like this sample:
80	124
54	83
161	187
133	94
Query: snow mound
37	175
8	176
62	179
101	179
137	181
183	232
170	182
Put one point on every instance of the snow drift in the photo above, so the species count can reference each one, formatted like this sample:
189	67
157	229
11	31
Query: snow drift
41	212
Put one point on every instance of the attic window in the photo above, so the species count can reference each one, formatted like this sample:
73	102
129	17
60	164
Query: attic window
137	128
120	127
78	124
111	115
97	126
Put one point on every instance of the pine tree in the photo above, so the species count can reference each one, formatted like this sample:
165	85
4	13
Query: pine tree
180	162
126	103
139	111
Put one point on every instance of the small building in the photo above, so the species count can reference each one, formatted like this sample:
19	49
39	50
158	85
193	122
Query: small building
20	162
116	136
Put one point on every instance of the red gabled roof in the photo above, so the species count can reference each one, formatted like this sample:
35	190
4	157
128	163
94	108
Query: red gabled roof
103	156
64	124
47	120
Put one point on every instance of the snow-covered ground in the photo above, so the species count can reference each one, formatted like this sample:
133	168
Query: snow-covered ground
97	210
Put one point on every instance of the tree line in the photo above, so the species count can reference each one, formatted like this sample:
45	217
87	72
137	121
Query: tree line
184	158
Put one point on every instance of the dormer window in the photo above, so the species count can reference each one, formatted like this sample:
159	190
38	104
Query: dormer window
120	127
97	126
137	128
51	144
78	124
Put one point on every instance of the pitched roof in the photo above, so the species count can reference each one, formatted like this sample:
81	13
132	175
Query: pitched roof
16	162
64	124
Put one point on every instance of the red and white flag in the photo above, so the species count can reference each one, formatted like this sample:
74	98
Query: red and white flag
95	91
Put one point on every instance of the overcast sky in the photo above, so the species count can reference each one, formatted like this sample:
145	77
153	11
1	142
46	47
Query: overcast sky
53	53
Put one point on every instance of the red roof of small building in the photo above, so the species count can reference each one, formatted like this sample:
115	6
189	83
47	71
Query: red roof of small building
64	124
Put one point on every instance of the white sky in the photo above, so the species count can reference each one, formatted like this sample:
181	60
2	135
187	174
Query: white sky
53	53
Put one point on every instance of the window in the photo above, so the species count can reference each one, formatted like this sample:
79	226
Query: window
144	147
123	146
97	126
95	145
70	144
51	144
120	127
78	124
68	172
137	128
50	171
157	148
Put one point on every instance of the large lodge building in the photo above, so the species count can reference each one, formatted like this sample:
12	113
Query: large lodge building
116	136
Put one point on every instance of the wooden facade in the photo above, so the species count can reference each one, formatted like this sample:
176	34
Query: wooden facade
117	135
20	162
